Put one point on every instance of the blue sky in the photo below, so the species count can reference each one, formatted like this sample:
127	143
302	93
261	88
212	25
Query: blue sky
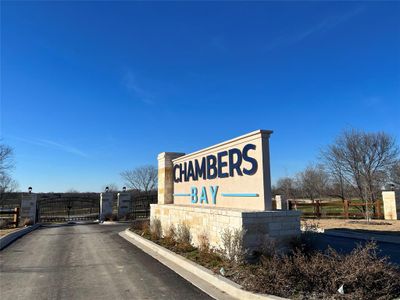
89	89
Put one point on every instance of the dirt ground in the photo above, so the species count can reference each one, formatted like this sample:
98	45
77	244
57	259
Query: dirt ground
376	225
8	230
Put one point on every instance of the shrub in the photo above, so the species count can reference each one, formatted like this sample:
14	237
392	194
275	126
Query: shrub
110	217
232	244
304	242
140	224
155	229
170	235
268	246
27	222
183	235
204	242
363	274
3	224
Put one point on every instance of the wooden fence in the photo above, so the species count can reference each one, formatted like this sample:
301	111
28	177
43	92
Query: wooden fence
14	212
338	209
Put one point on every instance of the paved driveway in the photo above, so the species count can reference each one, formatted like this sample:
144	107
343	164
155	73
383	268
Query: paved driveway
86	262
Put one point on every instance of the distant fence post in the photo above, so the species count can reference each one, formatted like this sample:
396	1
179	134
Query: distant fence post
378	212
346	209
317	209
16	216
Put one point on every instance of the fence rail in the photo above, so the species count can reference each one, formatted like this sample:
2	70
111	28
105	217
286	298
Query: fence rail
14	212
344	209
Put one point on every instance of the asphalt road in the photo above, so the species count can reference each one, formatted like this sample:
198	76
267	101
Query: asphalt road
86	262
346	245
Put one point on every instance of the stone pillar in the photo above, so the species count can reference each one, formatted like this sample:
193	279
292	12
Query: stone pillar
391	205
105	205
28	207
124	204
166	177
265	134
281	202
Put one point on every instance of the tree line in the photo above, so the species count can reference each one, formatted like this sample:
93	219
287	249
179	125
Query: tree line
356	164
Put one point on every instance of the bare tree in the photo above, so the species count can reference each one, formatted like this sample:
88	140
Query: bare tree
287	187
6	159
364	160
313	182
395	174
7	185
142	178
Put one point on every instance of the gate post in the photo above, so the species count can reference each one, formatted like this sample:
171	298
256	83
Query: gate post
166	177
124	204
391	205
105	205
281	202
28	206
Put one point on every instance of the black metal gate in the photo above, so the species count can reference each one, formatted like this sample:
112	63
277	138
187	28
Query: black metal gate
141	204
68	208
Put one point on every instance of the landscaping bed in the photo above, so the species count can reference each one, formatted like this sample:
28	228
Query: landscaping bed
301	274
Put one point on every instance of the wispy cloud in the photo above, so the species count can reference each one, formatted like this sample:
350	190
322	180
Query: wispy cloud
136	90
321	27
53	145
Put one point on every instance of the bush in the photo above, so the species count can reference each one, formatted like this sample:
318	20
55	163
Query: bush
155	229
183	235
111	217
140	225
204	242
27	222
363	274
232	244
170	236
3	224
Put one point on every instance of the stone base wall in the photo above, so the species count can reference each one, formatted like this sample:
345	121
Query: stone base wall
260	226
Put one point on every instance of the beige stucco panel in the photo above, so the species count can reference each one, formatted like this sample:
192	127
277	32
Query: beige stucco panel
237	184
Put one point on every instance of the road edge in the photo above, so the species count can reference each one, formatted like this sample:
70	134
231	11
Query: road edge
214	285
363	236
13	236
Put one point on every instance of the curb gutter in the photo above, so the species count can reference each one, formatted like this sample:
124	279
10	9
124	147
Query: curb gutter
12	236
194	272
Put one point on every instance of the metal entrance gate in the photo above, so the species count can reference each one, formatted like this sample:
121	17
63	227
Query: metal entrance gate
68	208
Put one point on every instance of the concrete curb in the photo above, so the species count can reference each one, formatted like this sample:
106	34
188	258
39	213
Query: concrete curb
12	236
365	236
195	272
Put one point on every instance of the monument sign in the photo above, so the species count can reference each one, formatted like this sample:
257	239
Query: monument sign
227	185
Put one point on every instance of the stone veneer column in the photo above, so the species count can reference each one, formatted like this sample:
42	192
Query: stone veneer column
391	205
281	202
165	177
124	204
265	134
105	205
28	207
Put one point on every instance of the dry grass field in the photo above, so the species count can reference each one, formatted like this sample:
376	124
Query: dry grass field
375	225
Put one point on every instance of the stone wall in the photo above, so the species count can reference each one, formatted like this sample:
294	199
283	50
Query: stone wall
280	226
